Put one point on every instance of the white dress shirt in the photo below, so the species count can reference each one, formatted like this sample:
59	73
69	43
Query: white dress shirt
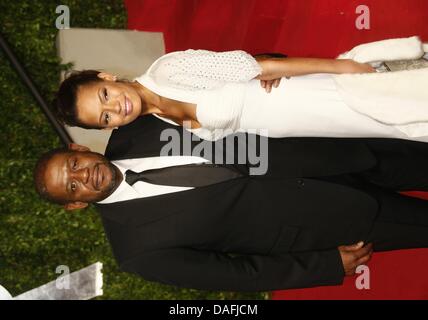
142	189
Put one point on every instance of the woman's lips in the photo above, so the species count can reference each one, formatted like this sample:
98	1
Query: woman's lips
128	106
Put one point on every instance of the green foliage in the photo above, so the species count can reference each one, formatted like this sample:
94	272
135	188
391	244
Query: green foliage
36	237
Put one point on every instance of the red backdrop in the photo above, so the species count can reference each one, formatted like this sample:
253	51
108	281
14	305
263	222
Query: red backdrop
317	28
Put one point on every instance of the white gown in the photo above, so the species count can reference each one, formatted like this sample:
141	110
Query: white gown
229	99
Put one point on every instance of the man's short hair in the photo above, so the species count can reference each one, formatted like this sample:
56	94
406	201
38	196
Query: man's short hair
39	175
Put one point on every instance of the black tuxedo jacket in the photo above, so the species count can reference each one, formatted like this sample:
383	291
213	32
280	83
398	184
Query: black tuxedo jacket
254	233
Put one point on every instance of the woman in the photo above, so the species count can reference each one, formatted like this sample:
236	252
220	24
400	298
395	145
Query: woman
215	93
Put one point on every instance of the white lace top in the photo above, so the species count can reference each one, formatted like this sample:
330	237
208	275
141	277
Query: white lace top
214	81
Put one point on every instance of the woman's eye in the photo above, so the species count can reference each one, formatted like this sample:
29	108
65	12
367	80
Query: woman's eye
73	186
105	94
106	118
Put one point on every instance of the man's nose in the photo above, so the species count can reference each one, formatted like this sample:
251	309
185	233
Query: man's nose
82	174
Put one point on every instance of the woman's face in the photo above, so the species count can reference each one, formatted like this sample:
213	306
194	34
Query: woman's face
108	103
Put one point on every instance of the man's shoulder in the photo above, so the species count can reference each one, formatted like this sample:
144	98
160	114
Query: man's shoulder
140	135
141	125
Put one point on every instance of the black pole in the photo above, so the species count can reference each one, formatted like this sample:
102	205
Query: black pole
65	137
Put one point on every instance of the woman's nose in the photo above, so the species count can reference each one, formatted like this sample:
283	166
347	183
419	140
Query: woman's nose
115	107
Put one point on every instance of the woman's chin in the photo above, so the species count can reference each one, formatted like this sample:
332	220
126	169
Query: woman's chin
129	119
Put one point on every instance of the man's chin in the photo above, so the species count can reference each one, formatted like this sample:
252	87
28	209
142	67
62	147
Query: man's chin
113	184
108	192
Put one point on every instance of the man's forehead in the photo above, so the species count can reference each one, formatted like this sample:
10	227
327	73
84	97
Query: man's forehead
58	159
55	172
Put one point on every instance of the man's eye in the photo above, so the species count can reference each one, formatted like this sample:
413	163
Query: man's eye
73	186
75	164
106	118
105	94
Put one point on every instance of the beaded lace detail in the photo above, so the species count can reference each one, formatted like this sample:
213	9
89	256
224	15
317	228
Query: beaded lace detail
202	69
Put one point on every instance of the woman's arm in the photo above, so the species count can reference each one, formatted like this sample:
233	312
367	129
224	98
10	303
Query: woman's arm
274	68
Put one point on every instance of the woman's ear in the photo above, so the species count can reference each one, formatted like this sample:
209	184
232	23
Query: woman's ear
107	76
77	147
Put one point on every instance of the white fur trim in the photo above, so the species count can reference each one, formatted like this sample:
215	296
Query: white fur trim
387	50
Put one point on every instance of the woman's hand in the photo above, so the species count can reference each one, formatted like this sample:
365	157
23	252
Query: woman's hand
268	68
267	78
268	84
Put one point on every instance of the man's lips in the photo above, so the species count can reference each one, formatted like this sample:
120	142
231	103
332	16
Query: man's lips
97	177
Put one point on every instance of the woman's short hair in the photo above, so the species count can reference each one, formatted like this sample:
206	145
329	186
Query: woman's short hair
65	103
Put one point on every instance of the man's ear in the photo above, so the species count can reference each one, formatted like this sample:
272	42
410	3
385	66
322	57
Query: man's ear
75	205
77	147
107	76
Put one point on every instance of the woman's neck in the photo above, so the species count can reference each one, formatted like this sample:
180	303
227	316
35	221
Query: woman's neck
150	101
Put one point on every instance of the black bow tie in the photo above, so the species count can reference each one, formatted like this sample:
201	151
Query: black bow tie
189	175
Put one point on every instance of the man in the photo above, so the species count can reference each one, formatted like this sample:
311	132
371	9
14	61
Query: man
284	229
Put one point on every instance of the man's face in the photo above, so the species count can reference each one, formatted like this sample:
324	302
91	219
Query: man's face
81	177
